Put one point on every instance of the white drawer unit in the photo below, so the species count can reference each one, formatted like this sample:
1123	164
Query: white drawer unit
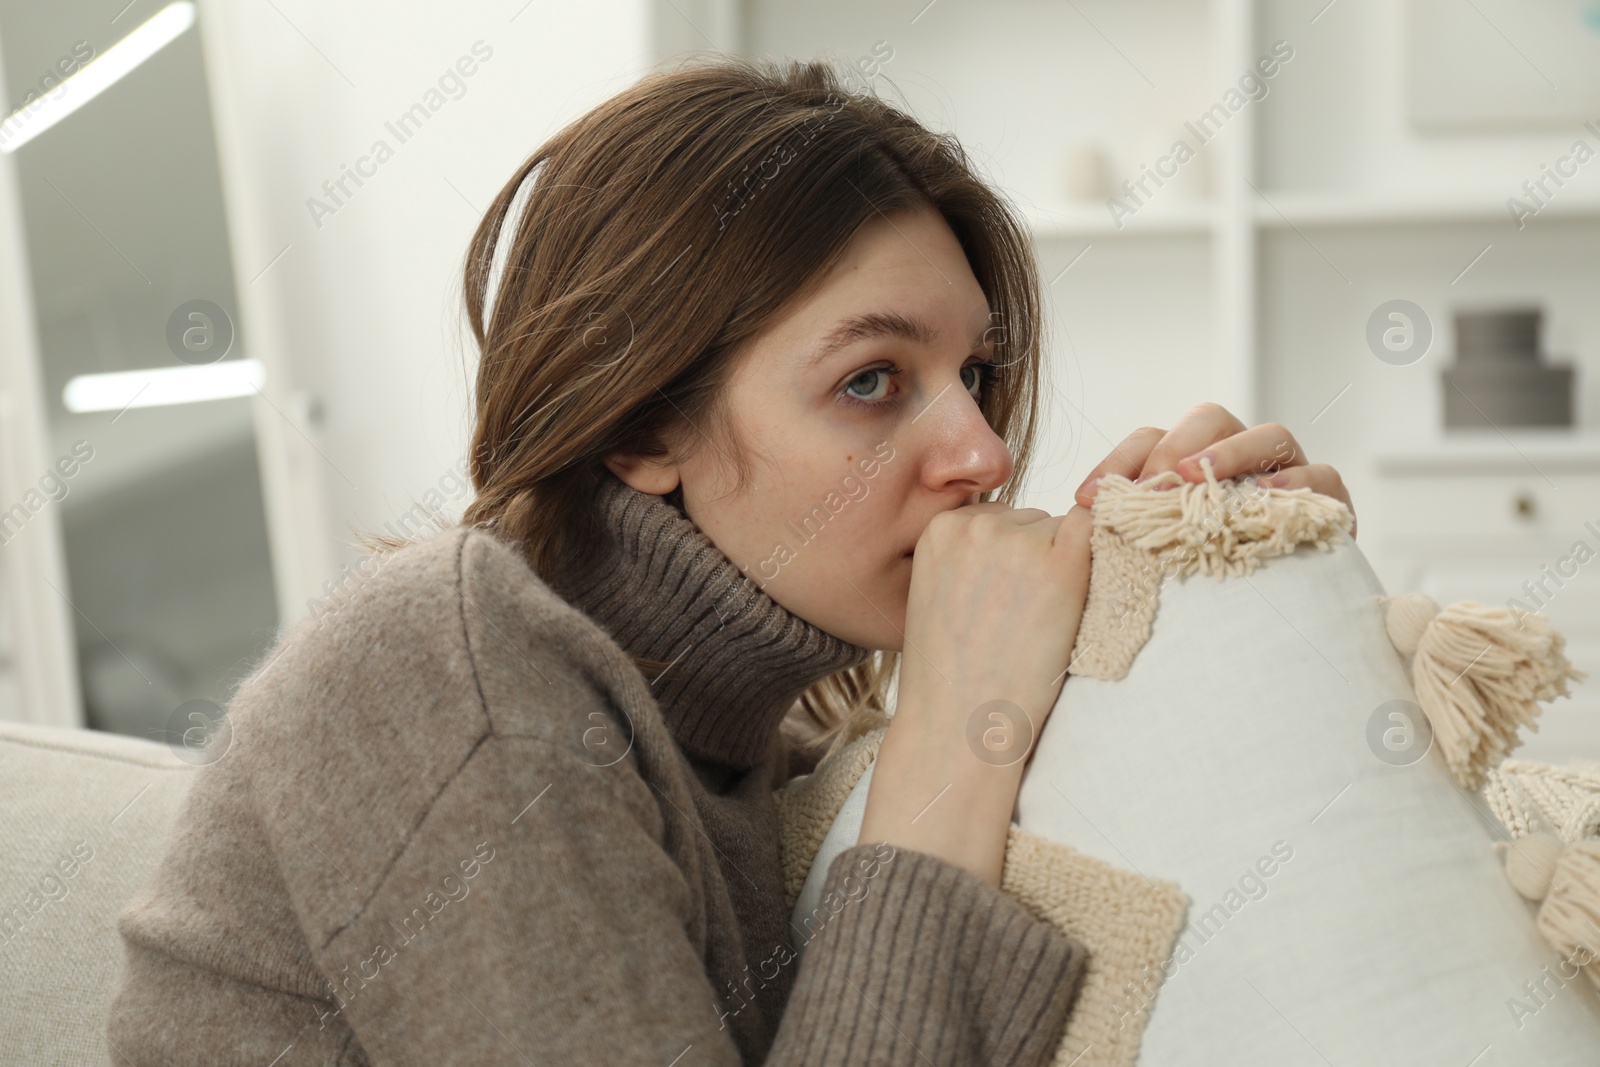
1508	521
1506	513
1504	497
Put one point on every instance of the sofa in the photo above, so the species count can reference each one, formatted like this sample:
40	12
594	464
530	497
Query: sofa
84	813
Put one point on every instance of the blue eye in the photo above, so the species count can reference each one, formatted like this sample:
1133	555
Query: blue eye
988	374
878	379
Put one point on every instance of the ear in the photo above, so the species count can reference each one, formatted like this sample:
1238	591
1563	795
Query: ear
648	474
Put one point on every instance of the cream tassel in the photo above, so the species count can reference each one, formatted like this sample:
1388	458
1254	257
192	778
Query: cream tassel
1479	673
1214	527
1567	879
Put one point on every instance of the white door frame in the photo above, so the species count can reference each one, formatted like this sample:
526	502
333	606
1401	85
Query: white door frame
43	657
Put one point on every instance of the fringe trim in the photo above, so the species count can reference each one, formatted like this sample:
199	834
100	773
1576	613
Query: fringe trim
1144	534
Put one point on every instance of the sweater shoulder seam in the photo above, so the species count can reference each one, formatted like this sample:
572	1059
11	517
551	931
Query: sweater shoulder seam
487	733
466	636
427	809
400	850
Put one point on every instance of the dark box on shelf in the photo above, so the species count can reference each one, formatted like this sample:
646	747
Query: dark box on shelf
1498	379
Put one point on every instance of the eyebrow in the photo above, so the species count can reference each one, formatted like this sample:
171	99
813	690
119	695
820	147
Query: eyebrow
875	324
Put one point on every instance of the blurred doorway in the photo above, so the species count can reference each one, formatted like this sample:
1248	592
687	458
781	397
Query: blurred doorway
149	454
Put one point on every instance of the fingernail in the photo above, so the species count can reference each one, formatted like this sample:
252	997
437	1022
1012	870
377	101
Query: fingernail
1194	460
1277	481
1088	486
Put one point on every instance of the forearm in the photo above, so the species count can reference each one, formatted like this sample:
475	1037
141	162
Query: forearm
934	792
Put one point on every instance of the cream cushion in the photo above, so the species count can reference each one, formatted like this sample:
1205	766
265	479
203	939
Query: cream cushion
1346	906
85	815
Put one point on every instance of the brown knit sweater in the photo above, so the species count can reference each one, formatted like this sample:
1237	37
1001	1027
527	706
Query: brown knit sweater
456	824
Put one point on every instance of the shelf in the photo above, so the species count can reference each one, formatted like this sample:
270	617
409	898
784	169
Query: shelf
1287	210
1092	219
1284	209
1487	452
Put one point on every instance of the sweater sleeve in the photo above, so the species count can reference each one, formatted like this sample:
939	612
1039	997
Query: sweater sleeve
913	960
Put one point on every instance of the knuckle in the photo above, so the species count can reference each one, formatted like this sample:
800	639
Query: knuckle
943	524
984	525
1164	455
1073	530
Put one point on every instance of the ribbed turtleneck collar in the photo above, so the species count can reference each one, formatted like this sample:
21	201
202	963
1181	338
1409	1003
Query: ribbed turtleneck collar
664	591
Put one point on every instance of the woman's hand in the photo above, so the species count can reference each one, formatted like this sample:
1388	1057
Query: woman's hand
1267	451
991	618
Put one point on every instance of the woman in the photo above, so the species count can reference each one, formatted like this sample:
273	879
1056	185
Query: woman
755	353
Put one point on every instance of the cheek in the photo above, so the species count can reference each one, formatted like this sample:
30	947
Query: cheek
839	550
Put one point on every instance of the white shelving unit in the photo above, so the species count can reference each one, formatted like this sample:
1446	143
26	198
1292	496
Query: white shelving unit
1355	209
1248	278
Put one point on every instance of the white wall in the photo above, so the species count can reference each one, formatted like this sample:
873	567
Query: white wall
1341	122
363	311
1131	332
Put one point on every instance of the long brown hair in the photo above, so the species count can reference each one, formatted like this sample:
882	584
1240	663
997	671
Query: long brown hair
667	226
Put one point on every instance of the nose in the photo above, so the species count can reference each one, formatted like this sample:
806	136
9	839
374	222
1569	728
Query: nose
960	450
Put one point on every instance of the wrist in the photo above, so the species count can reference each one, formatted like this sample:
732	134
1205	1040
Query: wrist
996	732
930	792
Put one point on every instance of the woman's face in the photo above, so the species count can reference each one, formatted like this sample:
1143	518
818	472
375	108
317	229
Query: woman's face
860	410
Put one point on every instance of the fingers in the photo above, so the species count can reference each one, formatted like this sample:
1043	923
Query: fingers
1258	450
1202	425
1126	459
1019	516
1068	550
1268	451
1056	529
1059	529
1073	528
1028	516
1318	477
